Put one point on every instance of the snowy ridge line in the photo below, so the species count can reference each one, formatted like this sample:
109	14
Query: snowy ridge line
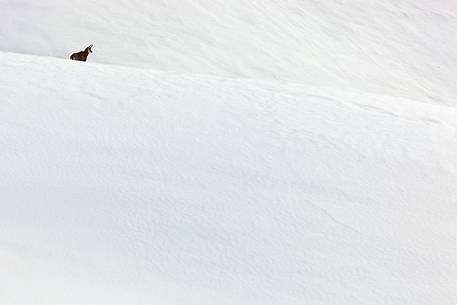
399	49
400	107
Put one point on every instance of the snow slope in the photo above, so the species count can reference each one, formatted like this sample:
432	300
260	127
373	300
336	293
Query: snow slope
279	152
129	186
401	48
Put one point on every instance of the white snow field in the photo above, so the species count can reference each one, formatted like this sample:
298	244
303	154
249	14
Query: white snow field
228	153
127	186
403	48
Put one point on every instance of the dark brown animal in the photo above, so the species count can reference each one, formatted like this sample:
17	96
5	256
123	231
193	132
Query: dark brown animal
82	56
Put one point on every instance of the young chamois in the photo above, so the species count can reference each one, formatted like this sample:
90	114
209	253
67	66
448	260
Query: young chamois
82	56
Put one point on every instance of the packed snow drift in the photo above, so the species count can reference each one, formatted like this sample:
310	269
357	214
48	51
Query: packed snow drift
210	152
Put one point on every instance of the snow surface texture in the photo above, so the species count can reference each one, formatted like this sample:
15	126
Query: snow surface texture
402	48
122	185
135	187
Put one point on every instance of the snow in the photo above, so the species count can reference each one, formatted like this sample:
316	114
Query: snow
207	154
401	48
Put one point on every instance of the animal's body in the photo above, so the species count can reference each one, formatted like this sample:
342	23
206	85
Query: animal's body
82	56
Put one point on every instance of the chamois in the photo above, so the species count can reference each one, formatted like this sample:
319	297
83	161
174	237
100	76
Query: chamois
82	56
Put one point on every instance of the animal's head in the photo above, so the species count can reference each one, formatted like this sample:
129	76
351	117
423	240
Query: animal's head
89	48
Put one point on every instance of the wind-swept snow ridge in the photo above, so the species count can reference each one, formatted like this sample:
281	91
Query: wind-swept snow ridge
401	48
128	186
